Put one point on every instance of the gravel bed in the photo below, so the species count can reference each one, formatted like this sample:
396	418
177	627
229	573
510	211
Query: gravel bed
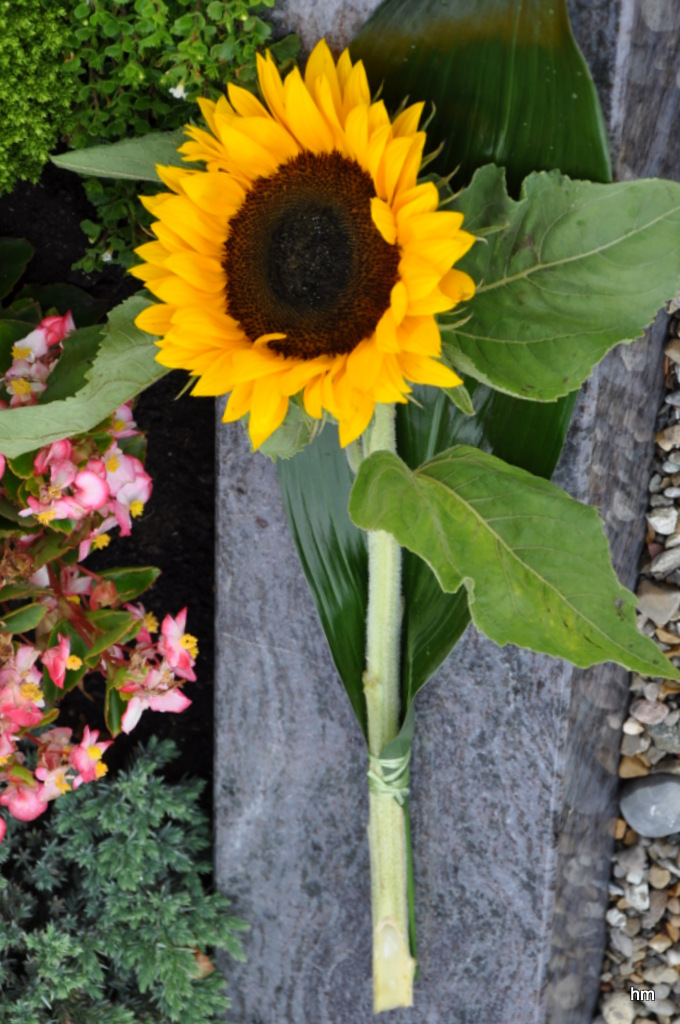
640	978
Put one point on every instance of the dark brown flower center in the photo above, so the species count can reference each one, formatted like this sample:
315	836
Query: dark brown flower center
303	258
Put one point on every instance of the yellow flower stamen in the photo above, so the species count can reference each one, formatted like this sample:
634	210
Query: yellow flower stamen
101	541
119	425
136	508
112	464
19	387
95	753
190	644
20	351
151	622
47	516
100	770
30	691
73	662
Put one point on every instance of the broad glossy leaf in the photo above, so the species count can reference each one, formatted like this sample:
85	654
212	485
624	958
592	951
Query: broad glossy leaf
130	583
315	485
535	562
64	298
508	82
125	365
20	620
14	255
574	269
131	159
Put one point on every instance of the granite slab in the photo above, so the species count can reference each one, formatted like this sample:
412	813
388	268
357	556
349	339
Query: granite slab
514	763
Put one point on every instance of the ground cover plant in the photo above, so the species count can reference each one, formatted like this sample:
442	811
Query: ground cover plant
104	912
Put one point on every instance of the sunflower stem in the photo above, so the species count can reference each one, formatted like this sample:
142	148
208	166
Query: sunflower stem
393	965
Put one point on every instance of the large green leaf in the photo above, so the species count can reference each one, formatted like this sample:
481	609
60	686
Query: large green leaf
132	159
574	269
125	365
315	485
14	255
508	81
535	562
514	77
66	298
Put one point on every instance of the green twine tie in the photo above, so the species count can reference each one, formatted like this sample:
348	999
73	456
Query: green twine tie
389	776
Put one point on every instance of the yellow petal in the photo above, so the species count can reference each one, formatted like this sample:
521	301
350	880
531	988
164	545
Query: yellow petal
419	276
153	252
383	218
407	122
155	319
356	90
304	118
423	370
356	130
411	168
207	108
386	332
272	87
217	379
239	402
174	177
177	290
148	272
203	272
399	301
419	199
217	194
312	398
420	334
344	68
244	102
322	66
355	419
267	410
376	151
396	154
458	286
364	364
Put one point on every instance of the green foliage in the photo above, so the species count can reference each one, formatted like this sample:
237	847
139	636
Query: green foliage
103	914
35	95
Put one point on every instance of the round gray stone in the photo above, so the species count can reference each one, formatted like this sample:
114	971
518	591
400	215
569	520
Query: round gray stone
651	805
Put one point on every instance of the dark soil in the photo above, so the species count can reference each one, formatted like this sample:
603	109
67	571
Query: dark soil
176	532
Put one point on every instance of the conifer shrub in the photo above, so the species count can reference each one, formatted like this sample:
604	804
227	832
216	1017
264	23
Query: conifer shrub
104	916
36	93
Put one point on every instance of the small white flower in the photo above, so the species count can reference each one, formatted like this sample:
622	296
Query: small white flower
178	91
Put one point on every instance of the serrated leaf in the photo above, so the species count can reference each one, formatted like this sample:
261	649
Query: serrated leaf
20	620
124	366
130	159
14	256
574	269
295	432
460	396
534	562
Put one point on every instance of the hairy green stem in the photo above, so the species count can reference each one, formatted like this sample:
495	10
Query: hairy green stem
393	965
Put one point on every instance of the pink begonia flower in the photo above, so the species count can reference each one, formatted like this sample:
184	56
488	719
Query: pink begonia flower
86	757
60	508
177	646
58	451
91	491
24	802
55	780
20	703
149	623
2	465
7	745
85	545
157	691
53	746
32	347
55	660
74	582
123	423
3	828
57	327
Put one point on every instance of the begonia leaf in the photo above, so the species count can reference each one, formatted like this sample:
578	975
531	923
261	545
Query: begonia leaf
130	583
534	562
20	620
14	256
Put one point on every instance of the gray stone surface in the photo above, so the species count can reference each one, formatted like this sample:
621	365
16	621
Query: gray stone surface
651	805
514	764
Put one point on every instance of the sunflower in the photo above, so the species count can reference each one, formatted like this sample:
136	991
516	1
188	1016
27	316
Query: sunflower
305	257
